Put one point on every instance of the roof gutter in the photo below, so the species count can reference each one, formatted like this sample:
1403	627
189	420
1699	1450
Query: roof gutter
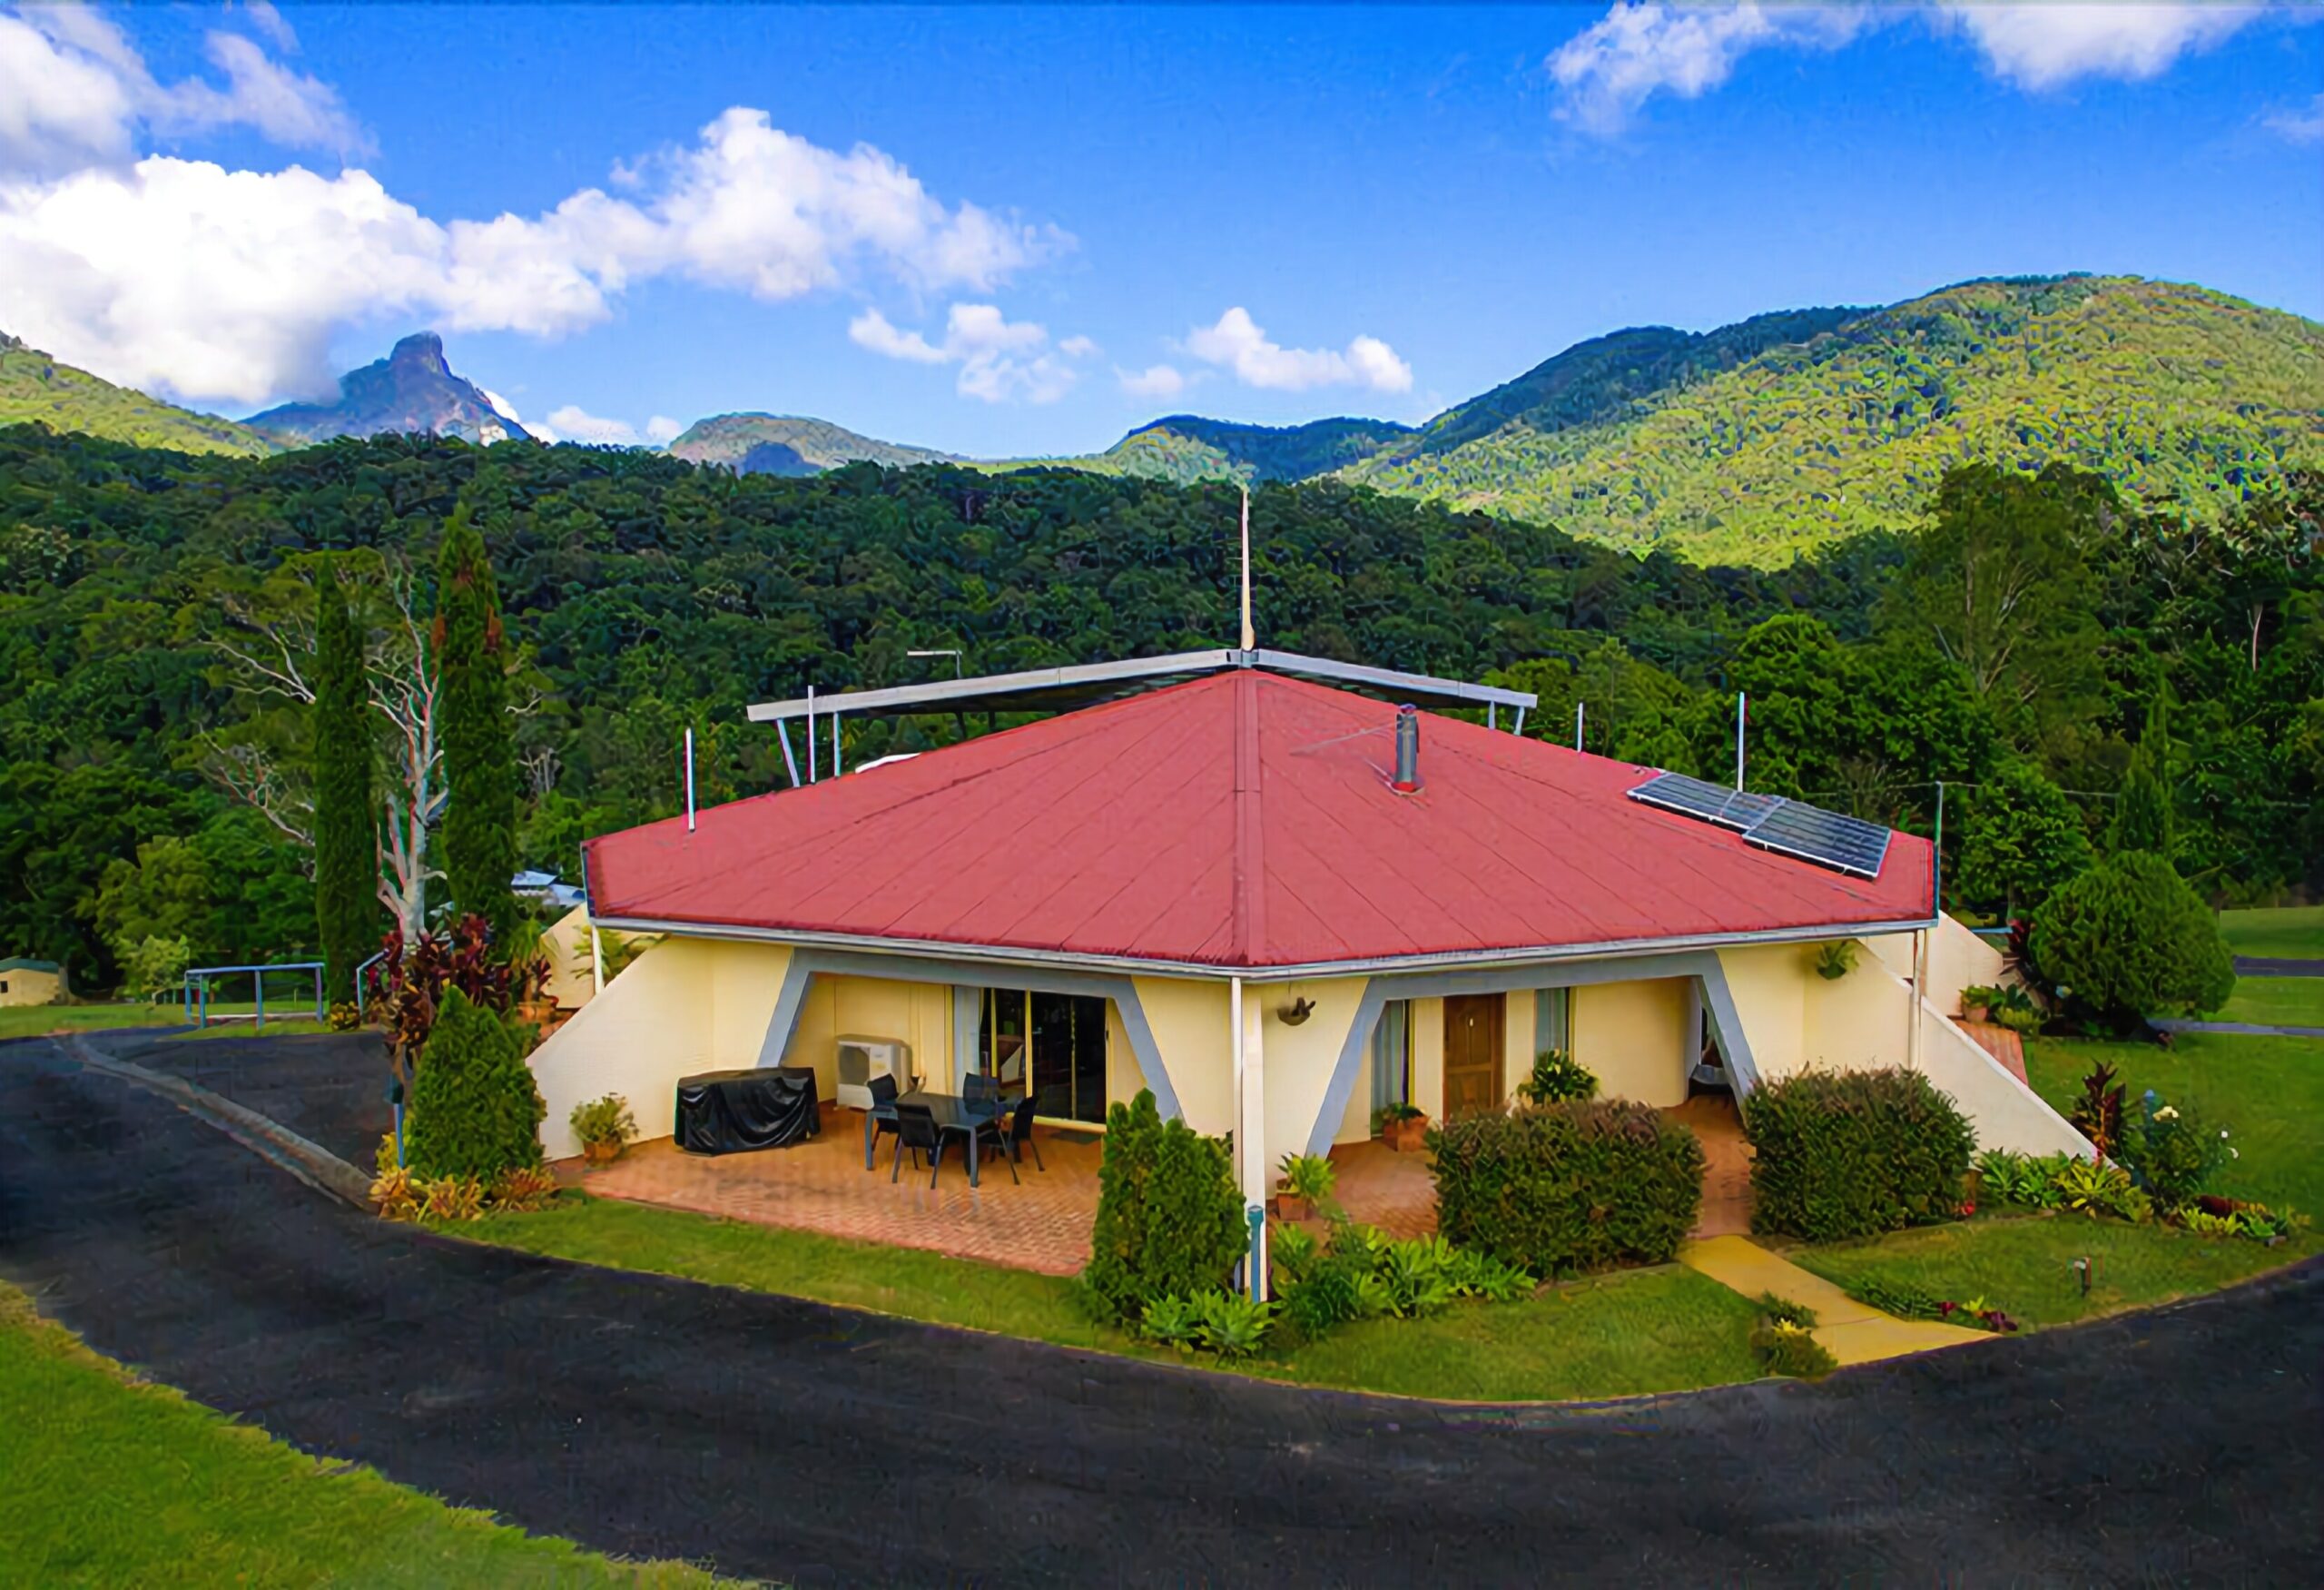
1438	960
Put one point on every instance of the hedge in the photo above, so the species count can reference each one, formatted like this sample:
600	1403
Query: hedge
1853	1153
1169	1213
474	1110
1579	1184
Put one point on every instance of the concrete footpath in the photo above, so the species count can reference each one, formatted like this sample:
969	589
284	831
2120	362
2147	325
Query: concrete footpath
1852	1332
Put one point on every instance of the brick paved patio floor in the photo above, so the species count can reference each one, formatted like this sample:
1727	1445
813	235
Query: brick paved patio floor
1041	1223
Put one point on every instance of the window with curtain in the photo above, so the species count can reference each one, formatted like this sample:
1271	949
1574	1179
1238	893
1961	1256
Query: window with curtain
1391	1055
1553	1019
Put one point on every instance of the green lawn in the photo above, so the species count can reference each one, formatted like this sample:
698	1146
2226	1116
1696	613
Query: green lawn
2267	1092
35	1021
112	1480
2296	932
1630	1332
2276	1002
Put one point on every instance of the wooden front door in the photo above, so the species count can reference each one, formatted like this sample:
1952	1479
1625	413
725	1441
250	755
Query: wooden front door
1471	1054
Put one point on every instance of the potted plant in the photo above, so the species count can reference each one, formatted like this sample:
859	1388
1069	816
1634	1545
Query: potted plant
1404	1127
603	1126
1977	1002
529	973
1307	1181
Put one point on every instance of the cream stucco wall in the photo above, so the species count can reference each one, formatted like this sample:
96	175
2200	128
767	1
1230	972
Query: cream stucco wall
1188	1017
919	1015
1794	1018
1300	1059
572	974
1428	1056
1631	1036
1957	958
652	1025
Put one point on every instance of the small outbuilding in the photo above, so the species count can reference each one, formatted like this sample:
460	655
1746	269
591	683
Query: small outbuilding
31	982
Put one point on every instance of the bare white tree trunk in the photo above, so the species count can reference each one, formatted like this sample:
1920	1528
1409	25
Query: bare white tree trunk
271	656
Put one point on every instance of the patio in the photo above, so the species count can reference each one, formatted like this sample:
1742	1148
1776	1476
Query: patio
1041	1222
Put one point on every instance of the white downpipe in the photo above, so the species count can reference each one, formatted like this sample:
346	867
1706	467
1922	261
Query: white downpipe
1250	1127
596	960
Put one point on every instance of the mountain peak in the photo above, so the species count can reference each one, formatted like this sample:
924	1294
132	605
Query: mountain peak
411	389
421	350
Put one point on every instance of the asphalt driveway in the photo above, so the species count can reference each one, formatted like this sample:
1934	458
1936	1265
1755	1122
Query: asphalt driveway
781	1439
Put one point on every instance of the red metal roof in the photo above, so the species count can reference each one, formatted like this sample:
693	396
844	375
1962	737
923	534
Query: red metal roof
1243	820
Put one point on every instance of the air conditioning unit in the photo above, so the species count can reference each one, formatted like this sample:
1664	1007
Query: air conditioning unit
861	1058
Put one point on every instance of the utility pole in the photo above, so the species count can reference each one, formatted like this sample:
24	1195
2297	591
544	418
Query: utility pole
1739	739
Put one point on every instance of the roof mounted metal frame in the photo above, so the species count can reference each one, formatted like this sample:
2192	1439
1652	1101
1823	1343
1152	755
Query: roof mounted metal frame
1084	684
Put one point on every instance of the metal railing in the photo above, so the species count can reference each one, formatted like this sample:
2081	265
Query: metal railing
198	980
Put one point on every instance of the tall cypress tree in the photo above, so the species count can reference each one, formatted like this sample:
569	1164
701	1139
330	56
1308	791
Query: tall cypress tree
347	906
2142	814
479	753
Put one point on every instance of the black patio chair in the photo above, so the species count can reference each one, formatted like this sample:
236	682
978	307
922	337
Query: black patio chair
916	1131
1020	1136
883	1095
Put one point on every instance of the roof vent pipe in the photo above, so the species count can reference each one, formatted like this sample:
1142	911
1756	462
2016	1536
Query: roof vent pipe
1407	781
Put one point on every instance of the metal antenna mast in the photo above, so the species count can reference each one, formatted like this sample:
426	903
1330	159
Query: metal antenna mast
1250	637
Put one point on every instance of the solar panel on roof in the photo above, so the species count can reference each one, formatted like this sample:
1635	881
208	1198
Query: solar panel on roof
1813	834
1788	827
1730	808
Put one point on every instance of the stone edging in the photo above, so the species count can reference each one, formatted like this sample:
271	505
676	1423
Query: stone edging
272	1141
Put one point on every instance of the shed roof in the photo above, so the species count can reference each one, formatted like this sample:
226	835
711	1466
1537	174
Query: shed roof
23	963
1238	821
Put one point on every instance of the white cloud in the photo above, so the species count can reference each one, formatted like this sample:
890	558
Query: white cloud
1155	380
1001	361
574	423
1607	70
662	431
872	329
74	91
227	285
2044	46
273	25
1236	342
2301	126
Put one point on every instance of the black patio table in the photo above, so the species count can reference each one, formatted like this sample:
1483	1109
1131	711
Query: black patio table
955	1117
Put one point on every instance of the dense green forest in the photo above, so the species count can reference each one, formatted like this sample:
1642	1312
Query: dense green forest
157	612
1792	432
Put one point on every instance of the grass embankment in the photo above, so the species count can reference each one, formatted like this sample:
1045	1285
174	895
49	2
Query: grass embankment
1613	1336
112	1480
2290	932
226	1021
2267	1092
2275	1001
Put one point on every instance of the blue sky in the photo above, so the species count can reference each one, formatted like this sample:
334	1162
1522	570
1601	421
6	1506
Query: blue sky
1067	208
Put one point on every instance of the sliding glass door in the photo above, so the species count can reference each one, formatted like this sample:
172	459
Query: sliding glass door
1053	1043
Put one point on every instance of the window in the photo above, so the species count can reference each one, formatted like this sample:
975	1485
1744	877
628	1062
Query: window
1553	1020
1392	1056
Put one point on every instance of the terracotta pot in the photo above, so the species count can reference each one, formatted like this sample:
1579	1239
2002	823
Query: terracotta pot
1408	1137
1977	1013
603	1152
1288	1207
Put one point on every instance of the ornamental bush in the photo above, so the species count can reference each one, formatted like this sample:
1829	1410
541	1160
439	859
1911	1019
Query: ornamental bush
1851	1153
1575	1185
2129	939
474	1110
1170	1214
2174	1152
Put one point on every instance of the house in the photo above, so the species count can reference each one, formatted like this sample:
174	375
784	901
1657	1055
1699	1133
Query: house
31	982
1272	891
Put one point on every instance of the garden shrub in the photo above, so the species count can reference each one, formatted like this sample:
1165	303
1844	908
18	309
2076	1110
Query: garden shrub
1853	1153
1902	1299
1169	1215
1785	1349
1577	1185
2129	939
2174	1152
473	1109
